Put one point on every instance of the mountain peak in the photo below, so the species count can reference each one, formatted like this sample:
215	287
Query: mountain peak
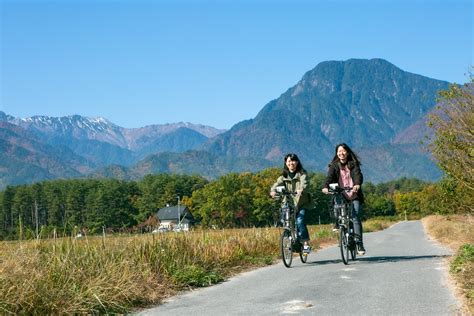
368	103
5	117
362	102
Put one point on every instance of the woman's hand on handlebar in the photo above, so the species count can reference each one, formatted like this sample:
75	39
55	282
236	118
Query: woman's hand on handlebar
325	190
356	188
272	194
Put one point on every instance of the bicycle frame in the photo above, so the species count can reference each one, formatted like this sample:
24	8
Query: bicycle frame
289	242
343	209
289	220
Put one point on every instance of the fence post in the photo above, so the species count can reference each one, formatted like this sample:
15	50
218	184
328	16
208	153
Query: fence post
103	236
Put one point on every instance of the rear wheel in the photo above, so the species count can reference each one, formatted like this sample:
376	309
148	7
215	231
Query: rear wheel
353	249
285	247
352	244
343	245
303	255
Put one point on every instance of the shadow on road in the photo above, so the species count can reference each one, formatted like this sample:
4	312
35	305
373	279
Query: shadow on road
323	262
380	259
383	259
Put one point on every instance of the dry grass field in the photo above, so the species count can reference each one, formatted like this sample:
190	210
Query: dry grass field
457	232
119	274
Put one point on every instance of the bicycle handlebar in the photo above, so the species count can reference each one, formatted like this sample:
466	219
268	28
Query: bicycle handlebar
281	191
337	189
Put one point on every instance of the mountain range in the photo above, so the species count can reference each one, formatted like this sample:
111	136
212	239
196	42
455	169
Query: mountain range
372	105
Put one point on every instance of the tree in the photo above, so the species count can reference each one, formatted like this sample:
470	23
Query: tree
453	144
22	210
55	202
378	205
322	202
7	212
76	192
156	191
265	210
407	203
230	201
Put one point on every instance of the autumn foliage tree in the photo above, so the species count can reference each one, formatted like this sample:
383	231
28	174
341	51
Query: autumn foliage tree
453	143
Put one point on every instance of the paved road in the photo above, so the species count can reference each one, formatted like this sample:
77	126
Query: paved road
403	273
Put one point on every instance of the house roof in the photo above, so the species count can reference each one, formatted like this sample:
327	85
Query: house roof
171	213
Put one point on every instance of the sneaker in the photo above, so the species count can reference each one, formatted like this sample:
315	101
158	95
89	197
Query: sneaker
335	228
306	247
360	249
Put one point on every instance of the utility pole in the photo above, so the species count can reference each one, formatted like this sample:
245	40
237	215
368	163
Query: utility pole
179	212
36	219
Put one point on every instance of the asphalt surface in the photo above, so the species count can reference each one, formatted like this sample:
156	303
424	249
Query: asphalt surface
402	273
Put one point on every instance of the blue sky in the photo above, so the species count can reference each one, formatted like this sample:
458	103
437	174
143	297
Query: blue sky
216	63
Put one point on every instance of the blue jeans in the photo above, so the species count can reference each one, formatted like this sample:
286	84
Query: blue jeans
356	214
301	226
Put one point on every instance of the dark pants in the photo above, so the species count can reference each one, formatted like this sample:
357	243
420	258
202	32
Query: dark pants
356	218
301	226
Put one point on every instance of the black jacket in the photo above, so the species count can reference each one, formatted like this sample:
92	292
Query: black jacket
356	175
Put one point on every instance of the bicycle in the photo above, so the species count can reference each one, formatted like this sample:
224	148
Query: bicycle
342	209
289	241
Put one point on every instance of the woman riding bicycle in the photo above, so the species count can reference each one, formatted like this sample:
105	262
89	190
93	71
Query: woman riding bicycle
344	169
293	177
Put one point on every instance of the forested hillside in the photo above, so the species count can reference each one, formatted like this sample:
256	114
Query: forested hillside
232	200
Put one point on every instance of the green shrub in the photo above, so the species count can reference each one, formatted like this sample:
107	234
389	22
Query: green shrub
464	258
192	275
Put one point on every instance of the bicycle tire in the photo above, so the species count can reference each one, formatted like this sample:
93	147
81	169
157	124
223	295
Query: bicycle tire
286	248
353	249
303	256
343	245
353	254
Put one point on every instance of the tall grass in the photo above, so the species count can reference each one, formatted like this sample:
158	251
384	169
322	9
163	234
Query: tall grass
117	274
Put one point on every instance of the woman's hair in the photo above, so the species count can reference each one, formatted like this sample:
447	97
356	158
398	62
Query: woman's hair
351	156
299	166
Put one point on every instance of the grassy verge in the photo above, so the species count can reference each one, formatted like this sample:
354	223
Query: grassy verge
118	274
98	275
456	232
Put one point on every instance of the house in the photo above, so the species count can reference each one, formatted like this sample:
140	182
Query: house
168	217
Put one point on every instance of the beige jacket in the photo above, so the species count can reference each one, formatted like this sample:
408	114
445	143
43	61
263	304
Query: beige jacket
298	183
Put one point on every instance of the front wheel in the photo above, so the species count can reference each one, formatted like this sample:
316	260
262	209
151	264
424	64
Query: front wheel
285	247
343	245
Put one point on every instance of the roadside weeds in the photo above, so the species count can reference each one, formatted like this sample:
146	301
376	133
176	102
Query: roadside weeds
455	232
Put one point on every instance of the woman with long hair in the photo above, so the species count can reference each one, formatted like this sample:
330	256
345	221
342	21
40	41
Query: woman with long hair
344	169
294	178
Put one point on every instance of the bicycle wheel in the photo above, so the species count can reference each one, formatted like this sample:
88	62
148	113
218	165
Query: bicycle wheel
343	245
353	254
353	248
303	256
285	247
